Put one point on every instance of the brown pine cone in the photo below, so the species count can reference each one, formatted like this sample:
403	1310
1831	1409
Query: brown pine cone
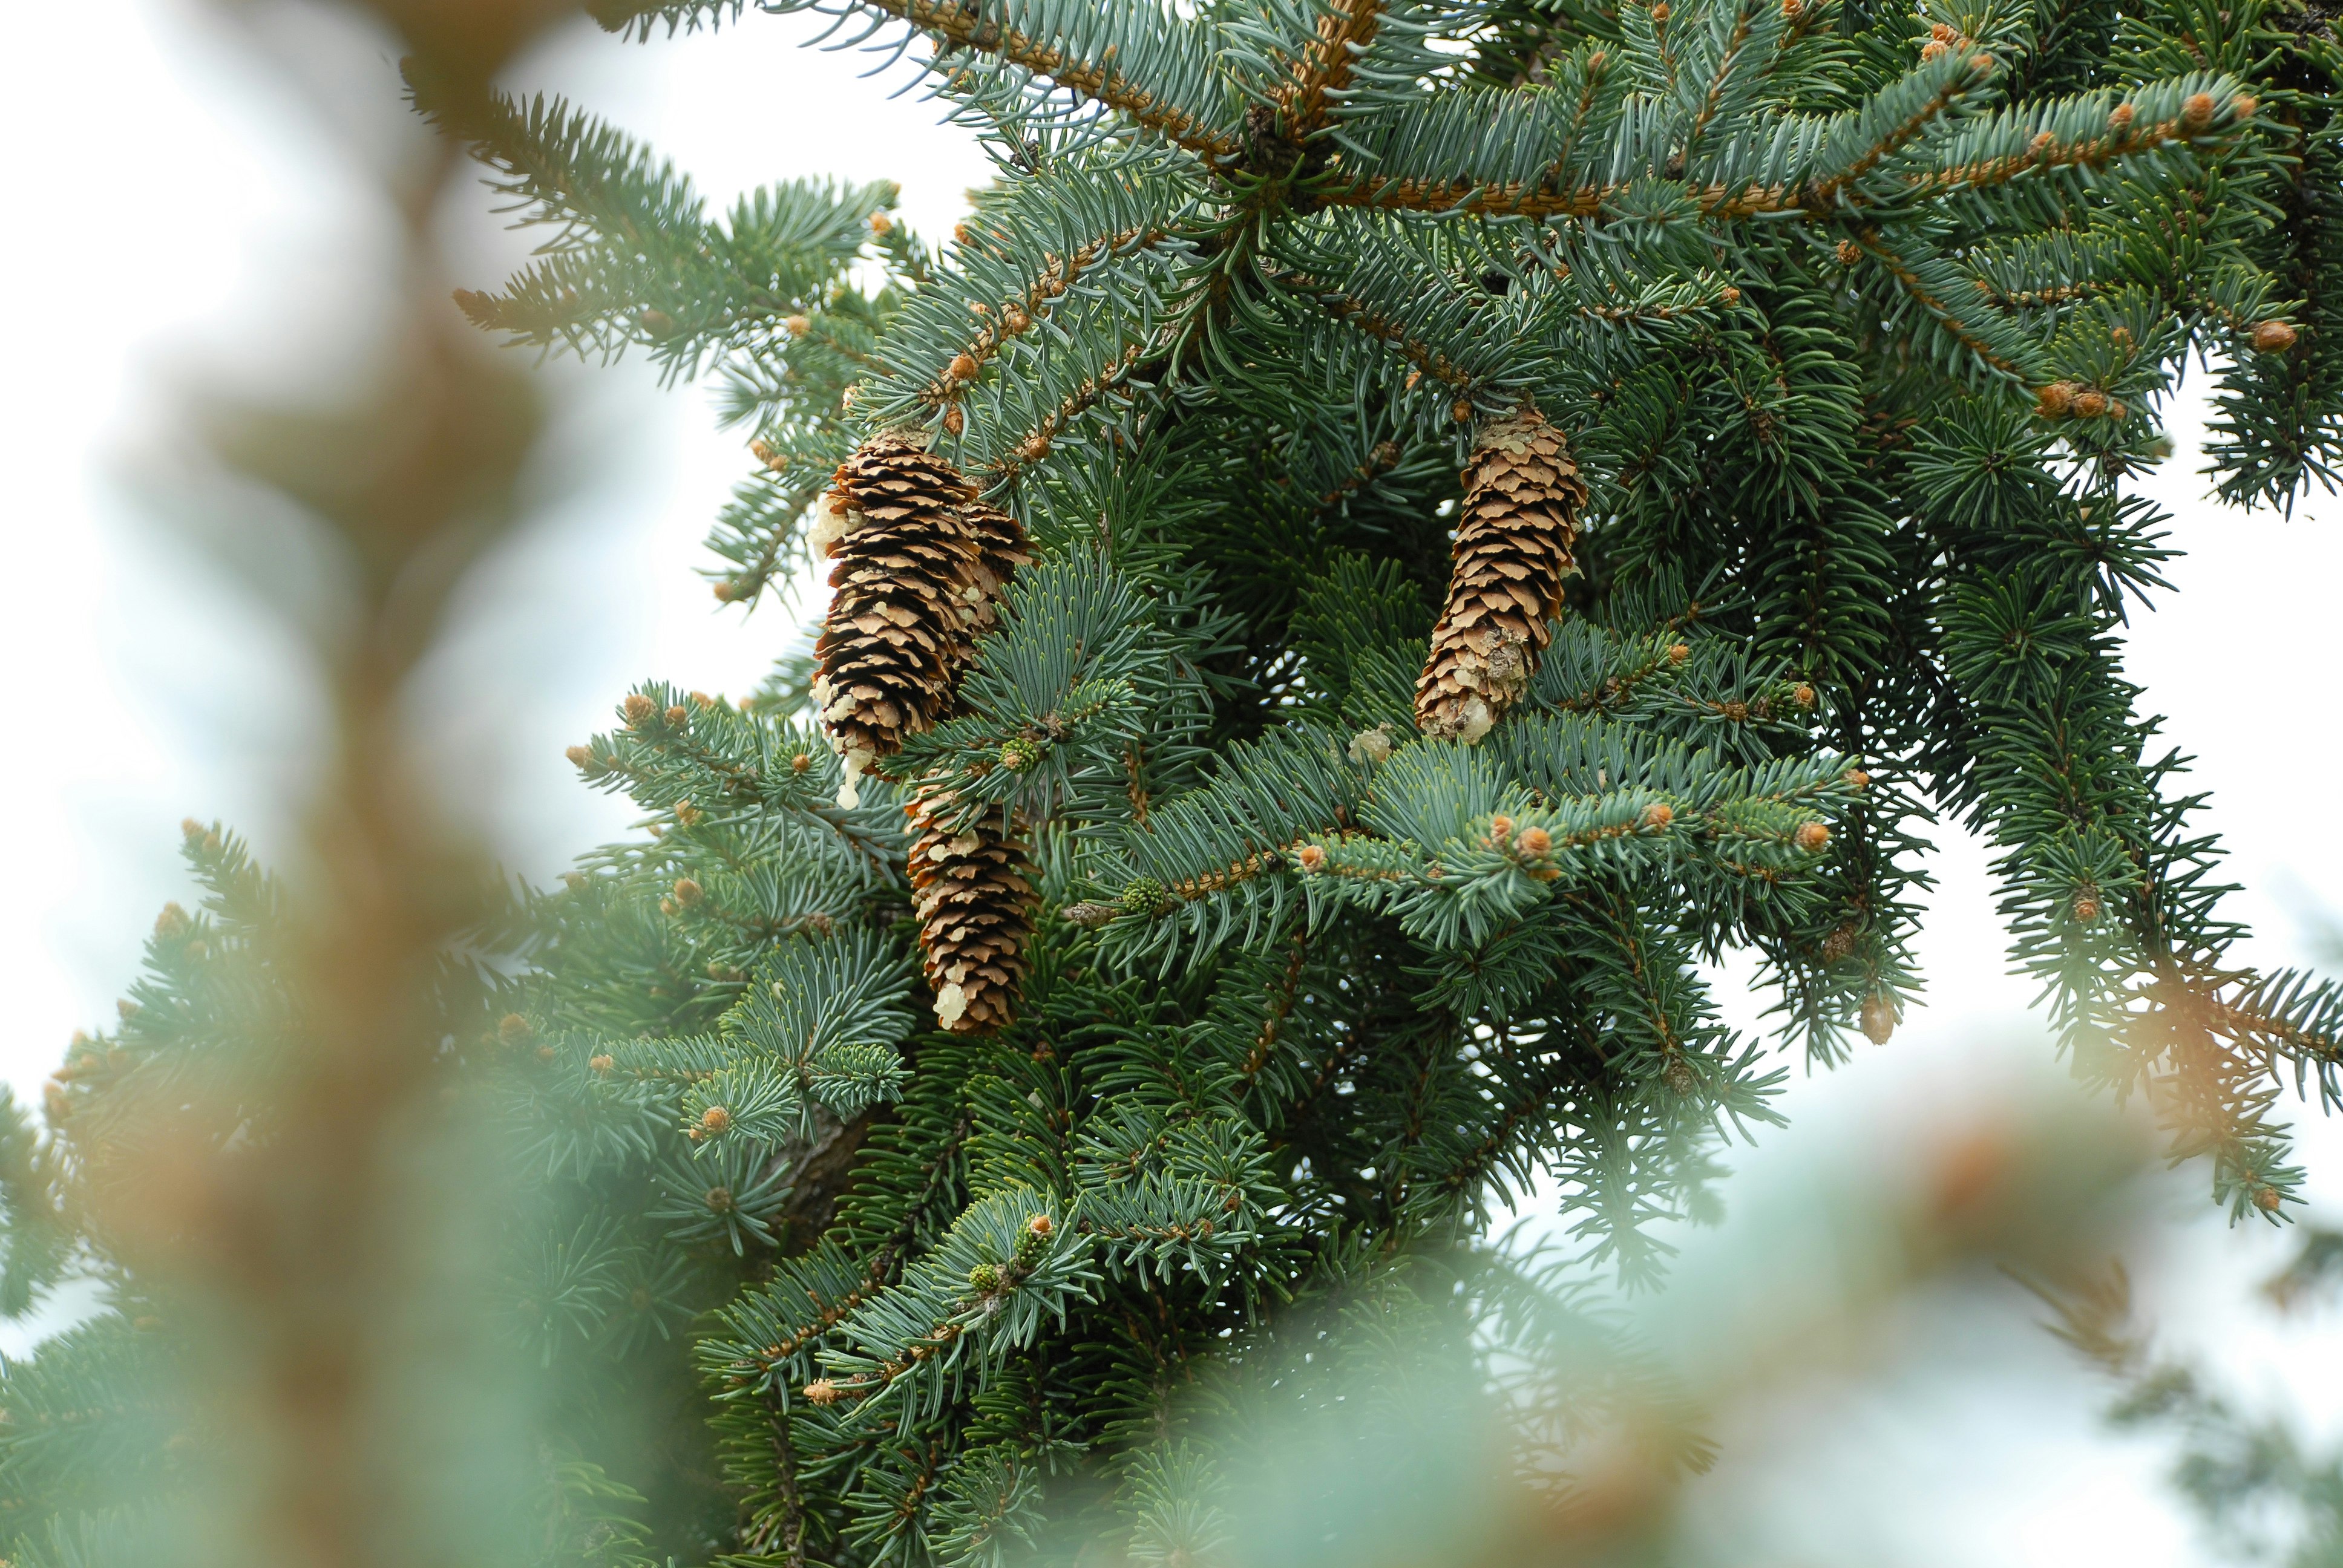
897	634
1519	519
1000	550
972	888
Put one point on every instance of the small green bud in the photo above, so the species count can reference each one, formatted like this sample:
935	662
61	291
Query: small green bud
1146	896
986	1279
1034	1241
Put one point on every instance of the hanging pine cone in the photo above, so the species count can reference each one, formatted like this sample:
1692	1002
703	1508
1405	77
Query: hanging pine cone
1519	519
972	888
1000	549
907	565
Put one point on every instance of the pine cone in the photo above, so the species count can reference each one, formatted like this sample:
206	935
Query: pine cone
1522	500
1000	549
898	631
971	887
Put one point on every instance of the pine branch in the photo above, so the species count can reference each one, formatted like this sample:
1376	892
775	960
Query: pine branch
638	18
818	1024
632	260
1005	1265
1883	157
1147	64
1322	71
695	754
1036	280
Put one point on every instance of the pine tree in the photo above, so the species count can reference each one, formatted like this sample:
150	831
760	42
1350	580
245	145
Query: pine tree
1394	531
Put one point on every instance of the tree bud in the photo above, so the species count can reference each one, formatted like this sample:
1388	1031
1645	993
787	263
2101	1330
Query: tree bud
2273	337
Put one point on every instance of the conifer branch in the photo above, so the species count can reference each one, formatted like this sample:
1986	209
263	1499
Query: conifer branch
1844	180
1980	336
1053	40
1042	436
637	18
1354	313
1028	310
633	260
1322	73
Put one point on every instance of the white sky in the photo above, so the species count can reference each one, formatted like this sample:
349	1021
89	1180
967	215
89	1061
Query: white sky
175	211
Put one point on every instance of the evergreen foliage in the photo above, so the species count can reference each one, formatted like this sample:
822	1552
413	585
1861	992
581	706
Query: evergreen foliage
1855	320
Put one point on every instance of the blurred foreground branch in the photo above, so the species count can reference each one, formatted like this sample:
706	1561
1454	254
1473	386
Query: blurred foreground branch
2263	1491
258	1162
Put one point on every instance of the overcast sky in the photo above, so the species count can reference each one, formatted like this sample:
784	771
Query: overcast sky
176	213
